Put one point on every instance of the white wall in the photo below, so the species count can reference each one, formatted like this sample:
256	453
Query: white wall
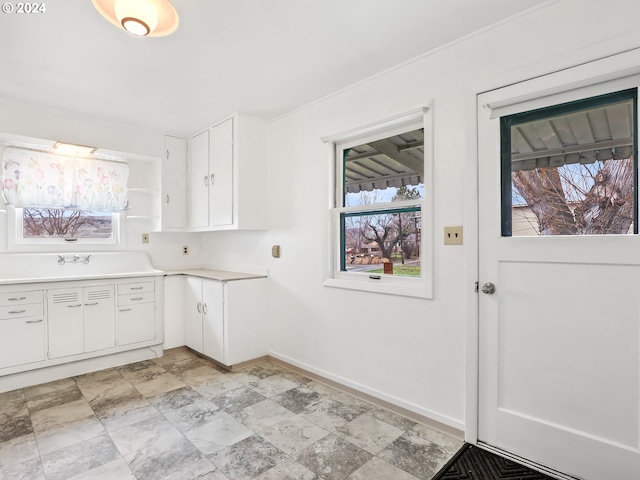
409	351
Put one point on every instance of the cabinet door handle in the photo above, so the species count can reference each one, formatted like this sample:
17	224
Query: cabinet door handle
213	179
34	321
125	309
168	198
198	307
204	308
136	288
90	304
13	299
17	311
206	180
74	306
167	154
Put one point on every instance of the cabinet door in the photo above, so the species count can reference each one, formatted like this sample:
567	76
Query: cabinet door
136	323
199	181
174	200
213	320
99	318
193	314
21	341
66	322
221	174
175	159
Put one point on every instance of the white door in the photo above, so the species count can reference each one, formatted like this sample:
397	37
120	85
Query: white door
559	377
193	314
65	313
199	181
99	318
221	174
213	320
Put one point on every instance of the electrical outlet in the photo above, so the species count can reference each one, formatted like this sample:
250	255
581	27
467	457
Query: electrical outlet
453	235
275	251
145	238
185	249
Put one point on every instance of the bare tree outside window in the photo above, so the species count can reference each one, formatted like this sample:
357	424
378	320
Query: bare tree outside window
579	199
66	223
571	168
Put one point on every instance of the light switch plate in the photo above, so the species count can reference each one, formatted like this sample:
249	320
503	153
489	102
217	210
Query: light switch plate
453	235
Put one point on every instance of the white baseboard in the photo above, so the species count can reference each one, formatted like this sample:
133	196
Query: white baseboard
66	370
407	409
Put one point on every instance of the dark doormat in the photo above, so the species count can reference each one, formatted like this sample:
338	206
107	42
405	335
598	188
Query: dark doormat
474	463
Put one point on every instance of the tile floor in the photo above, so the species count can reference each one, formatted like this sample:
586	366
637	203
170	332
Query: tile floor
180	417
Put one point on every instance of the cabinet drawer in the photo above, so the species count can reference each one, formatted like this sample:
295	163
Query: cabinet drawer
20	298
17	311
138	287
134	298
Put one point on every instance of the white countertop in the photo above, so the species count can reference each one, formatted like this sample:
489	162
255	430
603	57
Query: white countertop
18	268
68	278
220	275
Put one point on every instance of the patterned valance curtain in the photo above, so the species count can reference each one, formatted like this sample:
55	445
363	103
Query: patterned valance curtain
39	179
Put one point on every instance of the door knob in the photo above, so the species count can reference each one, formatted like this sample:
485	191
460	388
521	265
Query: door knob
489	288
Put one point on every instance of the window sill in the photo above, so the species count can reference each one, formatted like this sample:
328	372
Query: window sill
374	286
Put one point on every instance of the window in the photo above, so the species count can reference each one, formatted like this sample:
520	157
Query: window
381	196
48	225
571	169
55	198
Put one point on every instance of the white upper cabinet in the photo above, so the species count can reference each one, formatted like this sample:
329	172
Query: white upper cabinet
227	176
174	184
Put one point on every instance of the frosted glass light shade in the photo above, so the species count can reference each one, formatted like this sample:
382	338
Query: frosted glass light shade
139	17
153	18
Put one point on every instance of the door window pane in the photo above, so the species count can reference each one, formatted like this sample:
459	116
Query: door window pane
571	169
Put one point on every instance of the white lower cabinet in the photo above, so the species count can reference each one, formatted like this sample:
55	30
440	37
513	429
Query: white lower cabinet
225	320
42	326
81	320
136	312
22	328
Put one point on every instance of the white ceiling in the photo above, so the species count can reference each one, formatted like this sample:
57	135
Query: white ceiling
262	57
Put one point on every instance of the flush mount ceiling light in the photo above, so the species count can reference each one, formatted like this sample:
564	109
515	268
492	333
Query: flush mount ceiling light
151	18
73	149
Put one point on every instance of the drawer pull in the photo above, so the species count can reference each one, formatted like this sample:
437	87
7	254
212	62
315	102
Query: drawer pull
13	299
137	298
91	304
34	321
136	288
125	309
16	311
74	306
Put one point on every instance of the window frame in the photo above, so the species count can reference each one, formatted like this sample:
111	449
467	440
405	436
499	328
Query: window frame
421	287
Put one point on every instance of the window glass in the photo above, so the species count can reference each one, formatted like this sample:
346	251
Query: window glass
374	171
571	169
39	223
386	242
